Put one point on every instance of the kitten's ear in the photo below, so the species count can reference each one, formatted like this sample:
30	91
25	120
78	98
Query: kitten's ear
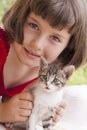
43	63
69	70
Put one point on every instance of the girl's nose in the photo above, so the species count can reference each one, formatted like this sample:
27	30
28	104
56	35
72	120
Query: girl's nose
38	43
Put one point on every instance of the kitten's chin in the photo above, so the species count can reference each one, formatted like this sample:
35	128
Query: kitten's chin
49	90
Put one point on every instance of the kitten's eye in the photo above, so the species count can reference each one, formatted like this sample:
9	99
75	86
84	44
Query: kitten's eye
55	38
56	81
43	77
33	26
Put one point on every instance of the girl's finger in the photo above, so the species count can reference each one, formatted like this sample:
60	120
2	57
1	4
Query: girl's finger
60	111
25	112
26	96
25	104
63	104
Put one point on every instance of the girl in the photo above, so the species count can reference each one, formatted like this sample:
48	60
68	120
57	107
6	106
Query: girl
55	29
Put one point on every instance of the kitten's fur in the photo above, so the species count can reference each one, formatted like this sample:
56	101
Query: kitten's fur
48	92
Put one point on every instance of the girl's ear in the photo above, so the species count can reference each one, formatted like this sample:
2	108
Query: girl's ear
69	70
43	63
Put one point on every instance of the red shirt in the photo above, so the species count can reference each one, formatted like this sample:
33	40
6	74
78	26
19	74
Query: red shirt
4	49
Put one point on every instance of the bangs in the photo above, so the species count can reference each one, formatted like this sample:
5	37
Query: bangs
59	14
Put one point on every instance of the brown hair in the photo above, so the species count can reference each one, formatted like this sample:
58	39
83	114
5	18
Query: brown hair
70	14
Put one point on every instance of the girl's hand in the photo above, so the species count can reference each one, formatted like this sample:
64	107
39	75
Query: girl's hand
17	109
60	111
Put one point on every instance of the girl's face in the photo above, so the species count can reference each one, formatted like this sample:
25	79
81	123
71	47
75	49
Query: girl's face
40	39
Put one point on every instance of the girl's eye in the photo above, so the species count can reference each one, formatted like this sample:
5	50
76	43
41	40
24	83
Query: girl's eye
33	26
55	38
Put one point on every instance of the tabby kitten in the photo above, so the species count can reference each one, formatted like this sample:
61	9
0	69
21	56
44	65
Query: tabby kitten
48	93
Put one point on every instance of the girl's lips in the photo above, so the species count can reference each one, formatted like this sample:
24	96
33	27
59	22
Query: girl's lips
30	53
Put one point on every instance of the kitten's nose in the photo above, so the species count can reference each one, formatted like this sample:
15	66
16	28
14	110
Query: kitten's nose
47	87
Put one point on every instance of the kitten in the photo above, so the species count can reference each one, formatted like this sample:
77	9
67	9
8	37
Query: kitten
48	93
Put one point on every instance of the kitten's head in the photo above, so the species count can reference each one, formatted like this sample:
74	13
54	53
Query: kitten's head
53	77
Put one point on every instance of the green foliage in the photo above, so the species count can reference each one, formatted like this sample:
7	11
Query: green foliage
79	77
4	5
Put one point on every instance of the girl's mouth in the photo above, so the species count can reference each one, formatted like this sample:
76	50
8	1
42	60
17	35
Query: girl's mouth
31	54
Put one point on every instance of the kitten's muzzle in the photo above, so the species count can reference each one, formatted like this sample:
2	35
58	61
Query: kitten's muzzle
47	87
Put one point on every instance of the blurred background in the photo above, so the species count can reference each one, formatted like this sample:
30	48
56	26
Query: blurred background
79	77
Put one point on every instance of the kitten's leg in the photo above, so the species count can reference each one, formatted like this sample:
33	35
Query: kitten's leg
33	118
47	121
32	122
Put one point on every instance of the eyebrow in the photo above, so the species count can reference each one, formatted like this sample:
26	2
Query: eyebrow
34	19
60	35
